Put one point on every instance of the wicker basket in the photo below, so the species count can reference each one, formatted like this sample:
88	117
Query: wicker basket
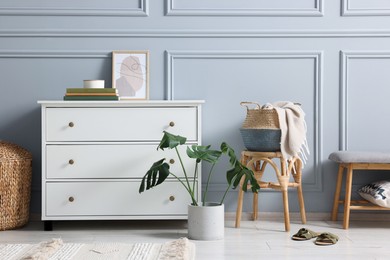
260	130
260	118
15	185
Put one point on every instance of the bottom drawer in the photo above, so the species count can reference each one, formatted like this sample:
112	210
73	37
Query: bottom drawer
114	198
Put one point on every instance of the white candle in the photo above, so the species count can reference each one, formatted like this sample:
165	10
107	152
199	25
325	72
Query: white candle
94	83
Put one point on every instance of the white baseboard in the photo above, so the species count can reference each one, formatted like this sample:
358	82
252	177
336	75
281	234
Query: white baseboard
294	216
312	216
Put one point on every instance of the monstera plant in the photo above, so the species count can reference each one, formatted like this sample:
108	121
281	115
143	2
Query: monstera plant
160	170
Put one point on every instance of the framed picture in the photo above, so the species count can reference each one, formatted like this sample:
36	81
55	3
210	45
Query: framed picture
130	74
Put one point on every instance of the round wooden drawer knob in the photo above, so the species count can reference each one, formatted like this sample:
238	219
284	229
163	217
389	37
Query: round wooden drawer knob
71	199
171	124
71	124
172	198
171	161
71	161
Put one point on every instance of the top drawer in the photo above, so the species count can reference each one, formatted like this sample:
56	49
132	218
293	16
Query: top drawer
119	124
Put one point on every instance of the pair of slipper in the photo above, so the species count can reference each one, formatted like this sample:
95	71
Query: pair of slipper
322	239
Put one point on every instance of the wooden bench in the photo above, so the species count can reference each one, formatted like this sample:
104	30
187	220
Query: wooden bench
355	161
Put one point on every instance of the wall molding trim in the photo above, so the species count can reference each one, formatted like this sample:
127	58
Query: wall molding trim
171	10
347	10
142	10
172	55
54	54
345	57
162	33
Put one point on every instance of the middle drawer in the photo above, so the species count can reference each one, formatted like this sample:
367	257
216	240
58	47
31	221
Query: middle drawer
110	161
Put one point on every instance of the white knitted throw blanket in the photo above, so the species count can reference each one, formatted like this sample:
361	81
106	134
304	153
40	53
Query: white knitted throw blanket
56	249
293	128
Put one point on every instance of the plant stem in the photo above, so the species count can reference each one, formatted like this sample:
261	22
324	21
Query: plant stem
207	184
189	190
186	177
195	174
224	195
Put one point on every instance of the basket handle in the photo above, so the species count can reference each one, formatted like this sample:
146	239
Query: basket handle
247	104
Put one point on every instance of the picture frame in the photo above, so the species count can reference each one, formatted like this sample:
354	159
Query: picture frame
130	74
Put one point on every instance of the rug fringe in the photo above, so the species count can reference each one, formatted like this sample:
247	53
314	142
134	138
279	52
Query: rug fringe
178	249
44	250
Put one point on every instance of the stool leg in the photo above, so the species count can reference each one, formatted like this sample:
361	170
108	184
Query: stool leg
240	198
301	203
259	171
239	206
286	210
347	200
298	179
283	179
337	193
255	205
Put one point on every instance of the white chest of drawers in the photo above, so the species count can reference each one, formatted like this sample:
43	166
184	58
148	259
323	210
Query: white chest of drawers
94	154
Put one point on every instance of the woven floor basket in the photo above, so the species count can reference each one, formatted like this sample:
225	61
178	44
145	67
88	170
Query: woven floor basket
260	130
15	185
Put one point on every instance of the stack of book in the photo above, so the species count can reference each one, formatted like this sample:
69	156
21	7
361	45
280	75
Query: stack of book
91	94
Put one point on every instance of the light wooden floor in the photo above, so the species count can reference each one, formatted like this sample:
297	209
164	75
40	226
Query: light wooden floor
255	239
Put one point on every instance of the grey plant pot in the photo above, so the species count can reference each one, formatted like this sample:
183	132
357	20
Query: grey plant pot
206	222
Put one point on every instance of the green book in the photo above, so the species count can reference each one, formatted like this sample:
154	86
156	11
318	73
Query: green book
91	90
91	98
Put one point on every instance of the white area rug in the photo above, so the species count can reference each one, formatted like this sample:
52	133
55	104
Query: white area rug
56	249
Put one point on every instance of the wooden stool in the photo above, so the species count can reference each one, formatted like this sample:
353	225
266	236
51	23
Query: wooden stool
351	161
257	161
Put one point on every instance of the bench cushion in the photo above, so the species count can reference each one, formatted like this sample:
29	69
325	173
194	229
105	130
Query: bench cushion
359	157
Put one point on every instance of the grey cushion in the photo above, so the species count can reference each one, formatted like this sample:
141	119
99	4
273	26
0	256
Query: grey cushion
359	157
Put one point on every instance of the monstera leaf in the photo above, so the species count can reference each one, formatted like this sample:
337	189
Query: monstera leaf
235	174
203	153
171	141
155	175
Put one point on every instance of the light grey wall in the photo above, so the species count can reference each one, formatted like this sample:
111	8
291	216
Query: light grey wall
333	57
